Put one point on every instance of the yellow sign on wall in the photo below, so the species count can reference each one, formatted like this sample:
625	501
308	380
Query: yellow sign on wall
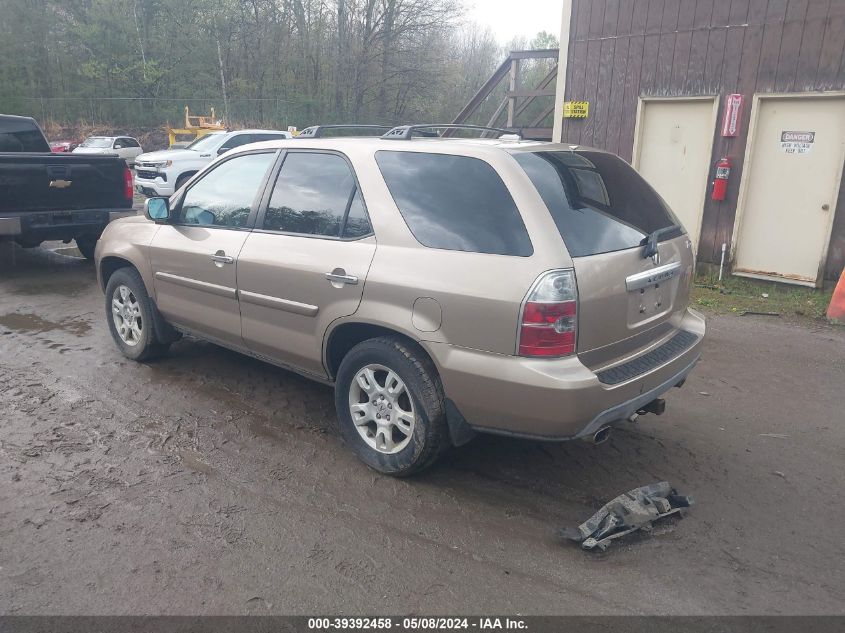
576	109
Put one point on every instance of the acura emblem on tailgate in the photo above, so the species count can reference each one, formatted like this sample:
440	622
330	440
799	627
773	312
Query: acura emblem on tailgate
651	277
61	184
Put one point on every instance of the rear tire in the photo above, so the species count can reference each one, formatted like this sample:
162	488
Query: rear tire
86	245
393	392
131	317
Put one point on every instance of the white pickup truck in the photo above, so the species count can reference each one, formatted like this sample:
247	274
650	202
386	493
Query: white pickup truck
162	173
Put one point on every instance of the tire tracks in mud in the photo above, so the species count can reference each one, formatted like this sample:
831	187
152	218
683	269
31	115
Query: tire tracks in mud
136	426
212	477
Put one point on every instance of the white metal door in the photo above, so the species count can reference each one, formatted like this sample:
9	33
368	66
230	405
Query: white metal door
788	194
674	143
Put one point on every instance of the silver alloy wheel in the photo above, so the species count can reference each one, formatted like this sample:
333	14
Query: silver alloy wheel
126	313
382	409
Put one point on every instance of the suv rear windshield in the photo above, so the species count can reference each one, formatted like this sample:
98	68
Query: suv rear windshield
598	202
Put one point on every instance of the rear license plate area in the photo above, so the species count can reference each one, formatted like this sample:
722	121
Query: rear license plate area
649	302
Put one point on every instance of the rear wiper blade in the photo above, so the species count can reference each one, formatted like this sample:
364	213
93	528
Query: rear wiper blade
650	242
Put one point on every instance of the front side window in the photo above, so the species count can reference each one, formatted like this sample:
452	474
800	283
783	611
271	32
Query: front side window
205	143
598	202
455	203
316	194
224	196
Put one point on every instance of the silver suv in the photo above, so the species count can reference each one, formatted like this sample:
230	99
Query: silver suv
444	286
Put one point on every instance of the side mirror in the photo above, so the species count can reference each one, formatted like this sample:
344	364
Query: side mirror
157	209
223	150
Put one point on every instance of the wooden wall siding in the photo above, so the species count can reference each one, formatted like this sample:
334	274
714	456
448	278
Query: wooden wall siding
621	50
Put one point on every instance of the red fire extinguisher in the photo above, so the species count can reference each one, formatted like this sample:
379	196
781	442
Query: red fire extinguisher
720	182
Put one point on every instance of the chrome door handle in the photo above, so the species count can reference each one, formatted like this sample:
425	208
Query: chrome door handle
342	279
220	258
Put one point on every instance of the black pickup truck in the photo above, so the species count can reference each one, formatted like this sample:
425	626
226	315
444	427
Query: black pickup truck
46	196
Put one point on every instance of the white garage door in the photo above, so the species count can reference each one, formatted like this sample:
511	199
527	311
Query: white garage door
788	194
673	146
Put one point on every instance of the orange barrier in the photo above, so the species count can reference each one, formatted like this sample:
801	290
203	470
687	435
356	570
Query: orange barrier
836	309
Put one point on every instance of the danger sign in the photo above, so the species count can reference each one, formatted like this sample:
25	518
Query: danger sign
797	137
796	142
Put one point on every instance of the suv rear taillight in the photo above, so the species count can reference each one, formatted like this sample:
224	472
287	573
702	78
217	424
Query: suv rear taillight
549	316
128	189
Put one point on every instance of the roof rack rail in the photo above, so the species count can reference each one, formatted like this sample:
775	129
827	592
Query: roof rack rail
316	131
405	132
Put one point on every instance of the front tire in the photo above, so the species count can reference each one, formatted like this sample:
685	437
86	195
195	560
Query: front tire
129	312
391	407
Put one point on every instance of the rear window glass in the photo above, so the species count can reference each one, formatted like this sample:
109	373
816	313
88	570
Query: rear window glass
454	203
598	202
21	137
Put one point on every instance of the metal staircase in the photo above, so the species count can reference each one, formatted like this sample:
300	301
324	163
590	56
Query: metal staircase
516	105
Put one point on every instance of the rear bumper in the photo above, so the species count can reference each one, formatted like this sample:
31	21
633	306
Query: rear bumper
558	399
57	225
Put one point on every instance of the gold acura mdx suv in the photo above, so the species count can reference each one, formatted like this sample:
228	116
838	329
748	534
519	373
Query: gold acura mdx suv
443	285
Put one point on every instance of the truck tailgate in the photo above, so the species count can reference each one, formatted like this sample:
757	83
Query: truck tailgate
61	182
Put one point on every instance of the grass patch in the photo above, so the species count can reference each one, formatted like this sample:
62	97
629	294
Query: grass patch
738	294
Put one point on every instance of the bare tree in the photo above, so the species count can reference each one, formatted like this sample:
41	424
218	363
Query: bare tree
278	62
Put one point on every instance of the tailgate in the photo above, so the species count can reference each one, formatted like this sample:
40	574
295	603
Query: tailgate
628	303
628	300
61	182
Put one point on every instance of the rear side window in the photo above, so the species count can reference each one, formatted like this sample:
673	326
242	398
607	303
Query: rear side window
267	137
598	202
316	194
357	220
455	203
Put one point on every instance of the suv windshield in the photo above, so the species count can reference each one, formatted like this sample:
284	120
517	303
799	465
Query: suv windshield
96	141
205	143
598	202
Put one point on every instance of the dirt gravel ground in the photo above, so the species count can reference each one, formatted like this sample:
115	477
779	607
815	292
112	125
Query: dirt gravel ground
210	483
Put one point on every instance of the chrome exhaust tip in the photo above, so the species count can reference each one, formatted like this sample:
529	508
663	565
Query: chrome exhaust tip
600	436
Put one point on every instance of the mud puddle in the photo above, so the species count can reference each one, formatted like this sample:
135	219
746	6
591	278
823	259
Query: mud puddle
23	322
68	287
192	460
69	251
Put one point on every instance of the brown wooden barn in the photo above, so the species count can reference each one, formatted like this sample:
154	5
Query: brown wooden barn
658	76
